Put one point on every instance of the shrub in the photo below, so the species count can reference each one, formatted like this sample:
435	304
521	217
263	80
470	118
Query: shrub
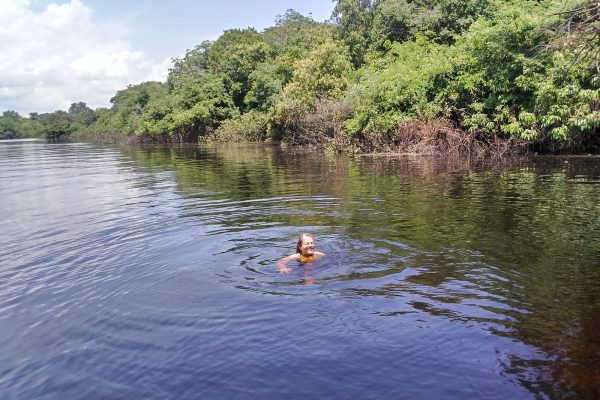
251	126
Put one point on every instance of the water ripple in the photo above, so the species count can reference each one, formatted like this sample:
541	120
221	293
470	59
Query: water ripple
151	273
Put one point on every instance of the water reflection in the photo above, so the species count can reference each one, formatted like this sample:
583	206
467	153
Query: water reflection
446	276
532	221
512	249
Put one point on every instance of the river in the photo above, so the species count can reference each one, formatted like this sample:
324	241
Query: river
150	272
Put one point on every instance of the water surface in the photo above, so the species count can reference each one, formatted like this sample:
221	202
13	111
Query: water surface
150	273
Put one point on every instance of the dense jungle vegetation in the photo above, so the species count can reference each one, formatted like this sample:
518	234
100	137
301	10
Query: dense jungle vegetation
404	75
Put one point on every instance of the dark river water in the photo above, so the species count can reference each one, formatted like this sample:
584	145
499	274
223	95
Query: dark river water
150	273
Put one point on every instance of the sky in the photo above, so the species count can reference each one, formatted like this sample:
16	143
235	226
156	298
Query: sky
57	52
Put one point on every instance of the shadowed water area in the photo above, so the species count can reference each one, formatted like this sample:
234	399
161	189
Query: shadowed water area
151	273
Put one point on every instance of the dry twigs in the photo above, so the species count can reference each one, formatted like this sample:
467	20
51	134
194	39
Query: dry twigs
582	26
439	137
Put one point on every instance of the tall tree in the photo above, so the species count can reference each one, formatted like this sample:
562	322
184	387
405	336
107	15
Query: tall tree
10	125
193	64
354	19
234	56
81	113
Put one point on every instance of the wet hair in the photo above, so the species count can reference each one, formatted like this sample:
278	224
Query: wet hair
300	239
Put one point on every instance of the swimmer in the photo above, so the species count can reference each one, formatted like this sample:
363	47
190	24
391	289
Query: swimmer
305	253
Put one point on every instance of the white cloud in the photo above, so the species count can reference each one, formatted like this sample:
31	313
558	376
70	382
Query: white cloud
60	55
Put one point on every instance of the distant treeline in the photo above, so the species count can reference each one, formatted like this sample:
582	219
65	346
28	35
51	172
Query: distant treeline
427	75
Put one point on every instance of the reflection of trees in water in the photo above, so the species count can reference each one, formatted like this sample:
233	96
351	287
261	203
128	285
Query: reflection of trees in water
542	221
513	247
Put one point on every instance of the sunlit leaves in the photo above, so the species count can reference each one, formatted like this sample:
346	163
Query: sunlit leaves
234	56
407	87
494	68
323	74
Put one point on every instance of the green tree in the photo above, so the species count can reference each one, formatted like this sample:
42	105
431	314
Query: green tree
201	104
409	85
291	39
57	125
264	87
494	68
10	125
354	19
234	56
193	64
322	75
81	113
438	20
129	105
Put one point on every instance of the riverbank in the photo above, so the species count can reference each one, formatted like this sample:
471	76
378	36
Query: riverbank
426	138
465	77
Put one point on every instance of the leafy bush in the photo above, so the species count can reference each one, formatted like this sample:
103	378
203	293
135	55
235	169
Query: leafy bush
495	71
406	84
251	126
322	75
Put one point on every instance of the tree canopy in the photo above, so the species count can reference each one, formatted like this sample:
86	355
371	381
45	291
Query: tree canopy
491	69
